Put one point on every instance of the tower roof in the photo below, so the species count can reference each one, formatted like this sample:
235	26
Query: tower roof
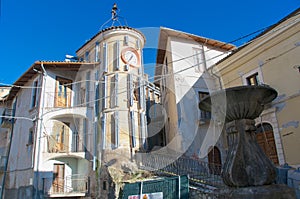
114	18
112	28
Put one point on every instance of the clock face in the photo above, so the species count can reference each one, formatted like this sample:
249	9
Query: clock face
130	56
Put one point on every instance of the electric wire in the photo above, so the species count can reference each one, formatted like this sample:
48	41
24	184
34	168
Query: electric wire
165	75
125	90
170	62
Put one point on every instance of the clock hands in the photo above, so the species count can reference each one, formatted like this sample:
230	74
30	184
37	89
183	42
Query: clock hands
130	58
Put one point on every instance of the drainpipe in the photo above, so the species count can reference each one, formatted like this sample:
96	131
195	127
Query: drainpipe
9	148
39	134
218	77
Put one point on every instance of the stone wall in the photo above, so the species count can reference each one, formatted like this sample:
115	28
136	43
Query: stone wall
196	193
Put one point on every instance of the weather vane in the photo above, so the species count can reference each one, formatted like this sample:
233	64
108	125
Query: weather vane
114	17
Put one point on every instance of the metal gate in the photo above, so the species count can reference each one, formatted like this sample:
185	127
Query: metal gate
163	188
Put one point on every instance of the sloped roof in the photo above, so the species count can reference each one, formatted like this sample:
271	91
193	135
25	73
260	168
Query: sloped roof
111	28
37	66
166	32
268	29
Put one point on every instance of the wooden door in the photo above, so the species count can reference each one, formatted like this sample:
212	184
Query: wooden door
58	178
265	139
214	161
63	91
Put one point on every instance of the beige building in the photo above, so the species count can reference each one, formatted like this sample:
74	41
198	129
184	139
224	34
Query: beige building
272	58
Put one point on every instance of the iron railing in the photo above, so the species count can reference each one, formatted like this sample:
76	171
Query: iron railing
74	184
199	171
68	99
57	147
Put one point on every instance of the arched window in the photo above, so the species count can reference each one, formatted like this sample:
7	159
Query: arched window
265	139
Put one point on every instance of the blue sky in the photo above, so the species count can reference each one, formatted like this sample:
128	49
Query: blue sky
32	30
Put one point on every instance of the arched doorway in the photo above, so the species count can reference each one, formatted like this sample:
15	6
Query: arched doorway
214	161
265	139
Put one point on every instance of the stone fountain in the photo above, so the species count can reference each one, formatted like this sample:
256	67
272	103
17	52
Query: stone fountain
247	171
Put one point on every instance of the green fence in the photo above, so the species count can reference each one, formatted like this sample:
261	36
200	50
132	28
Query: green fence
163	188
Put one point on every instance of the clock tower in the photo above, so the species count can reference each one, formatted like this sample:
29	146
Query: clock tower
121	113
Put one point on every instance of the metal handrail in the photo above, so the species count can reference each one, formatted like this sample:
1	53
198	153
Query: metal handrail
70	184
73	99
77	145
198	170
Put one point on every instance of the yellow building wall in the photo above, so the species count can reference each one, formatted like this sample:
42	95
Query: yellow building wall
276	56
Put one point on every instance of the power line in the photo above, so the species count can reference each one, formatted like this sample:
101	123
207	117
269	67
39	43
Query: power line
166	75
124	90
242	37
183	58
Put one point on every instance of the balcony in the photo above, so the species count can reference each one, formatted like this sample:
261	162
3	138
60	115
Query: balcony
7	119
71	186
63	146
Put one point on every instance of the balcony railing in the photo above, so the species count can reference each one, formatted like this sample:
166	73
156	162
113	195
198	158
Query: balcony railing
68	99
55	146
6	119
74	185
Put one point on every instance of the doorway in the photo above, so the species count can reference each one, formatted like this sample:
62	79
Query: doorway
58	178
265	139
214	161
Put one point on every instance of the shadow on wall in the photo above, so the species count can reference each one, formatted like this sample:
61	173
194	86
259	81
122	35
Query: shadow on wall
26	192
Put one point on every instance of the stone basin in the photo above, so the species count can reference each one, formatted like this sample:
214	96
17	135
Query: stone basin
246	164
241	102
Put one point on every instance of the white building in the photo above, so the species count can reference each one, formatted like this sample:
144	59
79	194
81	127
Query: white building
63	120
50	133
181	73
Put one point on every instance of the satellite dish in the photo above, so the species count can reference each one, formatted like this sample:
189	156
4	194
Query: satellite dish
71	57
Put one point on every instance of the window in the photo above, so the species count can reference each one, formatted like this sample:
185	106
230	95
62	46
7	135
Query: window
198	56
34	94
116	55
253	80
87	56
204	114
97	99
126	38
166	65
97	52
253	77
135	91
87	86
30	137
104	185
104	57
